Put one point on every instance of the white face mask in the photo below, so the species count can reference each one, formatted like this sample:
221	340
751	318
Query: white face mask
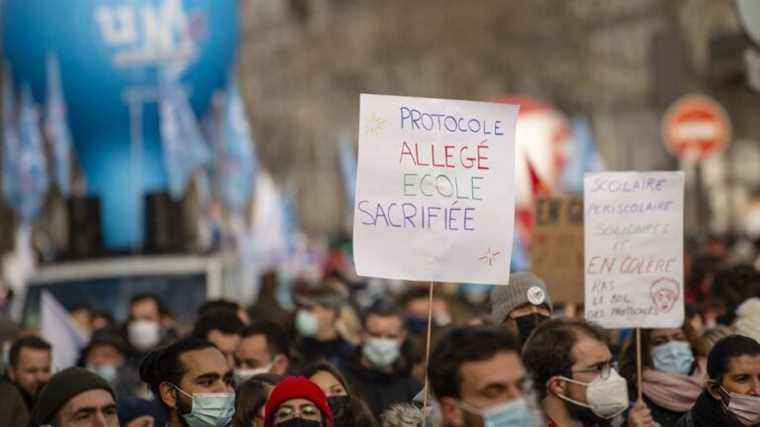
210	409
307	324
144	334
107	372
745	408
382	352
244	374
606	398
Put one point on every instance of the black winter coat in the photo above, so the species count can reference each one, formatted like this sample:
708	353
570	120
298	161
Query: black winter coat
379	389
708	412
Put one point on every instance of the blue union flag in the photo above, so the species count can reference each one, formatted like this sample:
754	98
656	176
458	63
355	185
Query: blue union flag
184	147
239	165
57	128
32	177
347	158
10	140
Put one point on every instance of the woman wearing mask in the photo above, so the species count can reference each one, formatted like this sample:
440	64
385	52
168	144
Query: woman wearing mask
348	409
297	402
731	397
671	378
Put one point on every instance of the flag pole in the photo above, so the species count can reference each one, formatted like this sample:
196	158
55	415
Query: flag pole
426	391
638	363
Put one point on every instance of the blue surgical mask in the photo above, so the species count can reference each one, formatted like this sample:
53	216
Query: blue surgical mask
514	413
307	324
210	409
674	357
107	372
382	352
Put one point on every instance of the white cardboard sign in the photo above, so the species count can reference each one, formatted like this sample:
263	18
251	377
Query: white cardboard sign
434	198
634	249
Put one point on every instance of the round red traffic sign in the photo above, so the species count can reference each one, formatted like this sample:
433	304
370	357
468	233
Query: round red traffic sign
695	127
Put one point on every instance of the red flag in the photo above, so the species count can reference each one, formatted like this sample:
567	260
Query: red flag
537	186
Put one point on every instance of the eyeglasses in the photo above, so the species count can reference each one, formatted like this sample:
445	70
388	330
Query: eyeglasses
286	412
602	369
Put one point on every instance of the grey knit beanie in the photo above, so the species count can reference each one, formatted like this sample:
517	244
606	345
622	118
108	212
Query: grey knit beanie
523	288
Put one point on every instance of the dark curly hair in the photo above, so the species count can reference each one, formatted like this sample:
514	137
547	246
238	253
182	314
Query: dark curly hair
164	364
465	344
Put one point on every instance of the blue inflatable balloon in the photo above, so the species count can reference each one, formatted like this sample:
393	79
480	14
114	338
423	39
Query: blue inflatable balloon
111	53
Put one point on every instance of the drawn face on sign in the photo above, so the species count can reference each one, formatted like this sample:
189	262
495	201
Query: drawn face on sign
664	293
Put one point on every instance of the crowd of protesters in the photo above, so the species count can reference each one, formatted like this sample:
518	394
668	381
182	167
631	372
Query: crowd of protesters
342	359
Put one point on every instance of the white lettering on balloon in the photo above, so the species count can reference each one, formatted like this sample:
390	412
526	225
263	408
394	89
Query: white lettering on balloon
149	35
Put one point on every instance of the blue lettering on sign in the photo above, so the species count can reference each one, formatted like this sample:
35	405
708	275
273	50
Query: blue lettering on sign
414	119
416	215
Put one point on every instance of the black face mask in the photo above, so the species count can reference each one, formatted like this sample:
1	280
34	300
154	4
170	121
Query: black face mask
526	324
299	422
341	409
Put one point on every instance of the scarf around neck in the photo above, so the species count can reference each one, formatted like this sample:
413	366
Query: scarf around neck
674	392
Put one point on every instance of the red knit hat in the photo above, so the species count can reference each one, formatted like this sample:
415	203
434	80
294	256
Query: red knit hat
297	388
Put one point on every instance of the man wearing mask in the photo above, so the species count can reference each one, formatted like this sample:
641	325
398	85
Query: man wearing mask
104	355
147	324
479	380
317	322
263	349
30	360
732	392
377	369
576	380
192	381
522	305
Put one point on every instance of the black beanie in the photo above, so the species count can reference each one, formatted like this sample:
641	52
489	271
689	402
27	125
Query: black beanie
64	386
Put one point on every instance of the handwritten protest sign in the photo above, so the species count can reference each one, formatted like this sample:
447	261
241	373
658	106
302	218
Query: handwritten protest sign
634	249
434	199
556	247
